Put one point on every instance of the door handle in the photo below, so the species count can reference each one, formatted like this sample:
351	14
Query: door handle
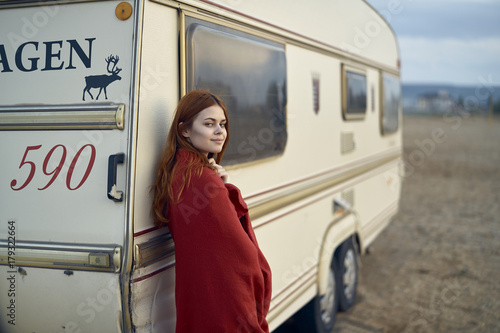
113	162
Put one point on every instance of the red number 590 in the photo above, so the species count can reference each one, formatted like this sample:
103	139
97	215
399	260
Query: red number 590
54	173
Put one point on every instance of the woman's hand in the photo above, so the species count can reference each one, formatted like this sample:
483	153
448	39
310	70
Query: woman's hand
220	170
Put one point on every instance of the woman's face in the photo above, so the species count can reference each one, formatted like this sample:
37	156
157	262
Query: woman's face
208	131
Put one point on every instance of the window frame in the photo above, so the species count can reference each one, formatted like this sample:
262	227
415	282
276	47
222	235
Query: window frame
344	77
188	18
383	130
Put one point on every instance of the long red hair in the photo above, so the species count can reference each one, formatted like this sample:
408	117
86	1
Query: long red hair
188	108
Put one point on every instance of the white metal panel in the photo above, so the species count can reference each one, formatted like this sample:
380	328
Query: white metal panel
159	95
58	214
351	26
152	287
50	301
46	54
153	300
48	69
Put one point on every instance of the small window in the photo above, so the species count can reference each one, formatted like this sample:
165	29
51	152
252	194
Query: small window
353	94
249	74
391	91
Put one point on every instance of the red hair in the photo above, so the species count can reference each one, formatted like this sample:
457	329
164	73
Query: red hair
188	108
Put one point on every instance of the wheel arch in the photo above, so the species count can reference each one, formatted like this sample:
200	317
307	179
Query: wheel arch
337	232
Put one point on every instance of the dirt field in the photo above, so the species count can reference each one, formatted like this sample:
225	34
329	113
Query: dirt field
436	268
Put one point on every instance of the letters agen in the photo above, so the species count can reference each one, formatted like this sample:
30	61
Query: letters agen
57	55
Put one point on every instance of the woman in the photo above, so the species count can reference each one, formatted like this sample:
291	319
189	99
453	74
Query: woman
223	281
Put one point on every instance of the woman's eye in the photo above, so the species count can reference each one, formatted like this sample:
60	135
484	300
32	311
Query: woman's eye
223	125
208	124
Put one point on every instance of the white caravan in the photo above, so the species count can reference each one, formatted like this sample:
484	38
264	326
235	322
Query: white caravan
87	92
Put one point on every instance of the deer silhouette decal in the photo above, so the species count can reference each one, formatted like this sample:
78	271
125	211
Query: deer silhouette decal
102	81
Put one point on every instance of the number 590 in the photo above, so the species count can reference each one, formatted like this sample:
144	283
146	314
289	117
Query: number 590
54	173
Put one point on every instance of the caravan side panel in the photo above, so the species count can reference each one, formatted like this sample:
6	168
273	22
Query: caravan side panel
152	283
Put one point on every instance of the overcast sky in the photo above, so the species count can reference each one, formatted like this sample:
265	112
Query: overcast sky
446	41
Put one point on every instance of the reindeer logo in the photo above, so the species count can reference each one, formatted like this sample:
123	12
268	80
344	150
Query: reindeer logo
102	81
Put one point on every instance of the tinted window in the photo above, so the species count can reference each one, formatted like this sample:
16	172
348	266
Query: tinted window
354	94
390	103
249	74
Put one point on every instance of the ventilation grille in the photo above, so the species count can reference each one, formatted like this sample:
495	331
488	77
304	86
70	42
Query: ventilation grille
315	82
348	196
347	143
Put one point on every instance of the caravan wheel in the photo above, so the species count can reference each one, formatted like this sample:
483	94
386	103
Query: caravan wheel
328	303
320	314
348	269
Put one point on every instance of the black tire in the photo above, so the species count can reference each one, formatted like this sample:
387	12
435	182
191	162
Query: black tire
348	275
319	315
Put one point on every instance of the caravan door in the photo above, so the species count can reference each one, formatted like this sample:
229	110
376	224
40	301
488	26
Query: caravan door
66	73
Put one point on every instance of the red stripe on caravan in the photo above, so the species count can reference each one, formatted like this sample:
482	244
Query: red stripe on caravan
147	276
143	232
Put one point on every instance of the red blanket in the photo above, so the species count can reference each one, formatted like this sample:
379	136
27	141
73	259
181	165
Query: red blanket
223	281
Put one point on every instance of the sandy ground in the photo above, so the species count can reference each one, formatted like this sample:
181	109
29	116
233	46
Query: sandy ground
436	268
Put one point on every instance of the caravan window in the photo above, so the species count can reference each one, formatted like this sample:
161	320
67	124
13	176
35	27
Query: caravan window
249	74
353	93
390	103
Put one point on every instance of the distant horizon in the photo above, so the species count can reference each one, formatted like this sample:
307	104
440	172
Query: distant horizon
458	85
473	94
